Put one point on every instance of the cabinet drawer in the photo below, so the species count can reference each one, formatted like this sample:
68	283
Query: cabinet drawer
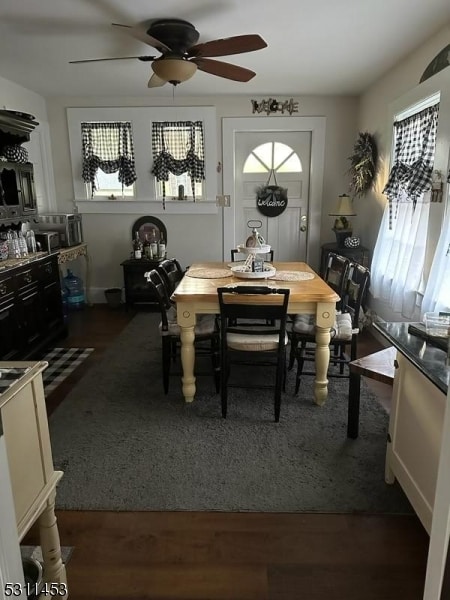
6	287
26	278
47	270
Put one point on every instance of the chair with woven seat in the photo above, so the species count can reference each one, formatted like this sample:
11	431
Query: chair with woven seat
244	336
344	333
206	332
336	274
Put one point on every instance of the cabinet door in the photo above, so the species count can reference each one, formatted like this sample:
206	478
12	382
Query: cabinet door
52	310
30	316
26	177
9	333
10	189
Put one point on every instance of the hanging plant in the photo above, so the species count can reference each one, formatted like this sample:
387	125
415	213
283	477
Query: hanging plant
363	164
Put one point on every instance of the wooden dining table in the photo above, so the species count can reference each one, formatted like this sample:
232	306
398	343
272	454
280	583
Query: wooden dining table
196	294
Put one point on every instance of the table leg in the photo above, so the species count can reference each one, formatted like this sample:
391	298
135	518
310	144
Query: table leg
322	362
54	569
187	361
354	391
88	277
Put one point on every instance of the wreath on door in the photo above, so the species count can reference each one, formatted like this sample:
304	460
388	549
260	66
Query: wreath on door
271	200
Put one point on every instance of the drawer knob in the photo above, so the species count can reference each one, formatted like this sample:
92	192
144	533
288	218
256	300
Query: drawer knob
396	365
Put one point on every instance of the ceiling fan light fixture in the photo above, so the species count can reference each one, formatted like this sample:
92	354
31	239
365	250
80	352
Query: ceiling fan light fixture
174	70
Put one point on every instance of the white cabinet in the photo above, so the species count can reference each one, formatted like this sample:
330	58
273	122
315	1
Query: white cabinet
415	434
29	456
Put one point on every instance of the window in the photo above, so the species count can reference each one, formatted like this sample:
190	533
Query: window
437	291
178	159
400	250
273	156
144	188
108	158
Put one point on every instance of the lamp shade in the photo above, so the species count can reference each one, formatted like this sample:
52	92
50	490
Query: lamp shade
174	70
344	207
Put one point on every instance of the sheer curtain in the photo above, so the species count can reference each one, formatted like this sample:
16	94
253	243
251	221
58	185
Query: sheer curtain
399	256
399	253
437	291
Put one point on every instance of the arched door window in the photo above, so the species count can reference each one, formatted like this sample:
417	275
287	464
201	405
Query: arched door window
273	156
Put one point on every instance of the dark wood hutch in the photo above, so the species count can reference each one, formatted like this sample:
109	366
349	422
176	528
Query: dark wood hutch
31	312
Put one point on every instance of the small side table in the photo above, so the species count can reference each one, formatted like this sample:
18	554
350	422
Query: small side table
137	289
379	366
360	255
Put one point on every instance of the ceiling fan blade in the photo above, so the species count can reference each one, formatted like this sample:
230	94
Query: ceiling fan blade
142	35
226	46
155	81
143	58
223	69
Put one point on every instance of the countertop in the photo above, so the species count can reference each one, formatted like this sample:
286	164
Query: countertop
10	263
430	361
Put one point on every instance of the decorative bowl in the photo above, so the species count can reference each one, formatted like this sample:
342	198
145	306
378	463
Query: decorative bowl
352	242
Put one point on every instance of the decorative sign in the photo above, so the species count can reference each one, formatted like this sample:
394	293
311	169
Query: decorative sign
273	106
271	200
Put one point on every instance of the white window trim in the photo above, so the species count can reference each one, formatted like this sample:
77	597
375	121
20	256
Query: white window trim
145	193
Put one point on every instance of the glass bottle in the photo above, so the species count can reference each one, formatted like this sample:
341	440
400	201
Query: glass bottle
162	247
147	248
137	246
31	241
154	246
22	245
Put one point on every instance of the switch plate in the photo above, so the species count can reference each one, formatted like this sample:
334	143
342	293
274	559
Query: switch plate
223	200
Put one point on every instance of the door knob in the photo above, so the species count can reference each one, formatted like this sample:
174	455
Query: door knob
303	223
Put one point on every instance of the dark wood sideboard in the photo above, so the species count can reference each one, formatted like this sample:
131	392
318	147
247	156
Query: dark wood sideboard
31	311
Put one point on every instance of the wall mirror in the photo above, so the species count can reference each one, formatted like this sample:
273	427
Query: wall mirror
152	227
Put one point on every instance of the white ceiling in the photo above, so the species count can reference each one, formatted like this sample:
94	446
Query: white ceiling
314	47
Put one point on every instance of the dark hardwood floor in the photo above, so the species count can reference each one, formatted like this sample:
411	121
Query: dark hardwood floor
233	556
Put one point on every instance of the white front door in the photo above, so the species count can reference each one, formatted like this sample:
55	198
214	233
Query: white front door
294	148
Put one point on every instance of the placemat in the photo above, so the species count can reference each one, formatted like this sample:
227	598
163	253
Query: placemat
292	276
209	273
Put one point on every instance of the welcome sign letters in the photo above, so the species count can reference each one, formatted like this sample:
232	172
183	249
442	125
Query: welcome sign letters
271	200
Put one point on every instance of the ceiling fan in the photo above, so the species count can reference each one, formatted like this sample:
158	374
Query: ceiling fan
181	56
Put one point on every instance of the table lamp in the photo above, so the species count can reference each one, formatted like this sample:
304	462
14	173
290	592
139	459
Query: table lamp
342	226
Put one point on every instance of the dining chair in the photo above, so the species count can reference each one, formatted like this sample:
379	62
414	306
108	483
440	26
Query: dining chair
234	251
344	333
241	342
206	332
336	273
171	273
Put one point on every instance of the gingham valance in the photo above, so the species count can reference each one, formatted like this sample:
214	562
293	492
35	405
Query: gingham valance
108	146
178	147
415	140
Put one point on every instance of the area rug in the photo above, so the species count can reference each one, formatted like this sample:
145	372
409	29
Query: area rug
62	362
124	445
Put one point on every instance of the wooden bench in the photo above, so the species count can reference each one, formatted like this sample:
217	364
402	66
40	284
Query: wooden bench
379	366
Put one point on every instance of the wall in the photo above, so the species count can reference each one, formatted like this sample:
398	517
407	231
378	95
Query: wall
191	238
